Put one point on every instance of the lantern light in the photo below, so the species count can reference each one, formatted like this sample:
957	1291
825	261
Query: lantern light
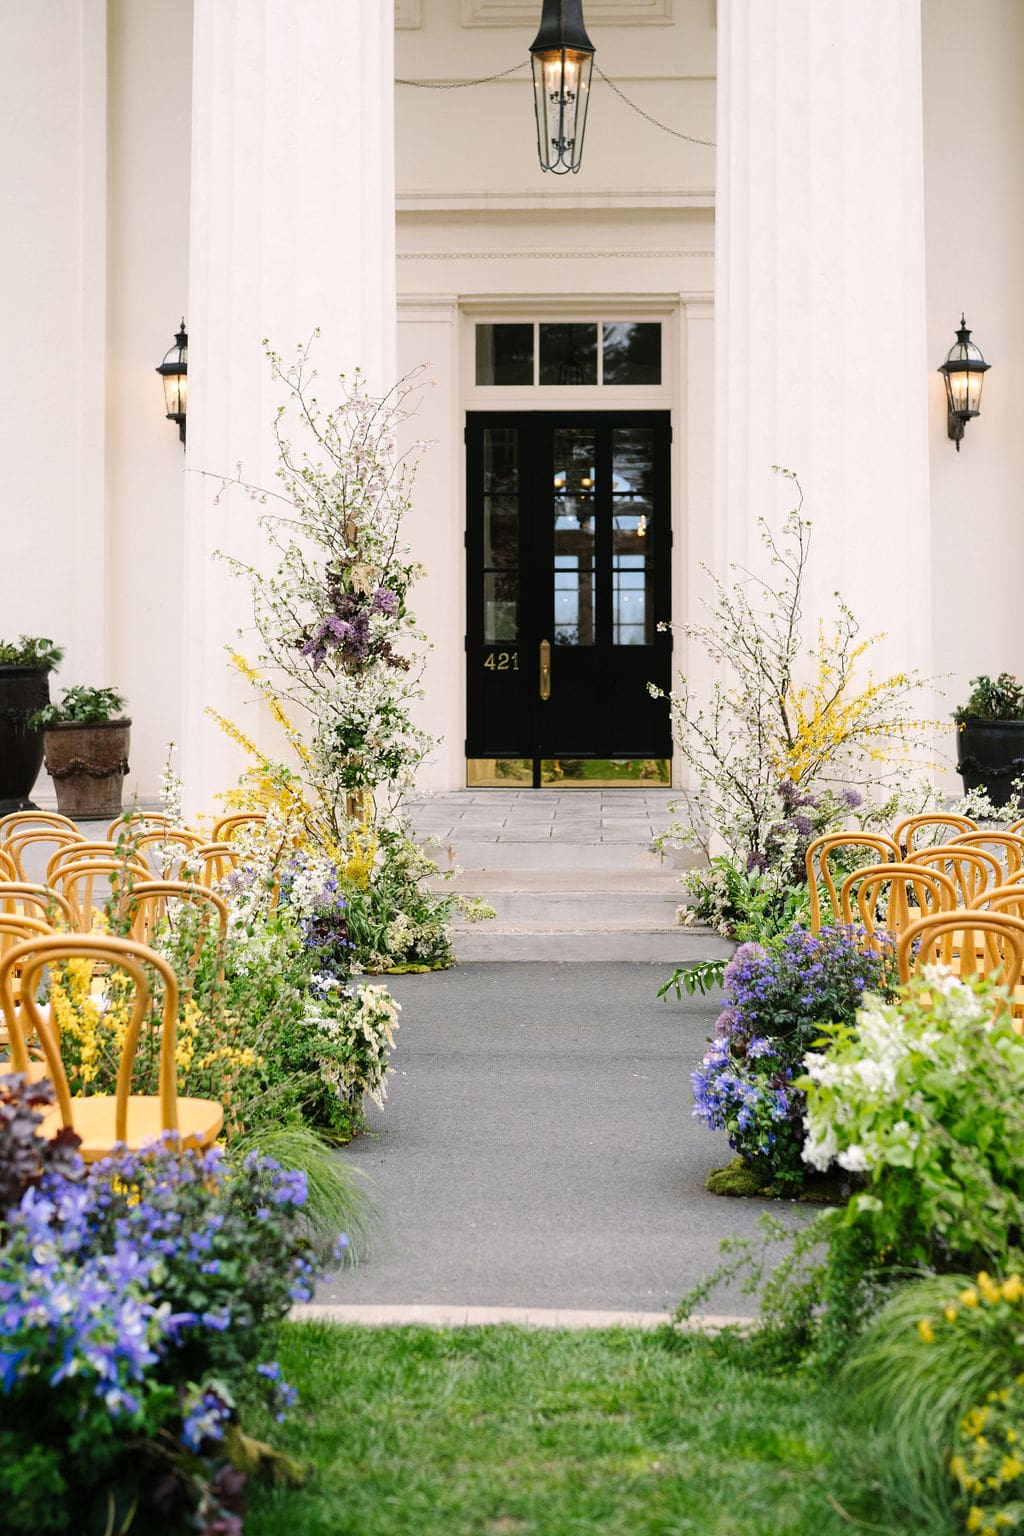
964	373
563	61
174	373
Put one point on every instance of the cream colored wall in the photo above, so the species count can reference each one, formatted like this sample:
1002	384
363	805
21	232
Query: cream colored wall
53	276
974	208
484	234
149	120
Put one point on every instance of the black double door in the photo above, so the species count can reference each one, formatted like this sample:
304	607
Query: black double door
568	544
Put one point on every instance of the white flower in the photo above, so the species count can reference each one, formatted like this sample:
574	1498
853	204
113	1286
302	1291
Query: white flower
854	1159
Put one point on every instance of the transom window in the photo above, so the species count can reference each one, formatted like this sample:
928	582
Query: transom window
612	352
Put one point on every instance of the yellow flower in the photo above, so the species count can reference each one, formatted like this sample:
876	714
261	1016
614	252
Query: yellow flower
1010	1467
926	1331
969	1298
1012	1289
988	1288
975	1518
951	1314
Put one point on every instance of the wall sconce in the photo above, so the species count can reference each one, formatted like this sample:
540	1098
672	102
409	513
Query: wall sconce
964	372
174	372
563	60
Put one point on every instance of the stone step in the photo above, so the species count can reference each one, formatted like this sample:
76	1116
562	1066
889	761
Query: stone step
561	854
585	906
662	946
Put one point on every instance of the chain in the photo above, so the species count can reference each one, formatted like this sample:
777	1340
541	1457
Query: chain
458	85
708	143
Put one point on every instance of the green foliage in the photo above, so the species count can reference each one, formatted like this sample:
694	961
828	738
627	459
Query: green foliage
1002	699
701	976
86	706
940	1367
30	651
926	1098
336	1200
529	1432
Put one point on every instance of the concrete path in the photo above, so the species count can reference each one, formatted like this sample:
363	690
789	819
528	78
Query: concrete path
538	1149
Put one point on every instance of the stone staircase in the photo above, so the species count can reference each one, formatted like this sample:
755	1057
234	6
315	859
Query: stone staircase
573	875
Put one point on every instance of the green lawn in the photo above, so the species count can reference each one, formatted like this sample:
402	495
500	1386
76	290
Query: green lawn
508	1432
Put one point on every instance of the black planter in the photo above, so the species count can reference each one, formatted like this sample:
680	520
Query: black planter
990	756
22	690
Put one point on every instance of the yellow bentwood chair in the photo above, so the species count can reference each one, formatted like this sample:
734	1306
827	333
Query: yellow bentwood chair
102	1120
817	861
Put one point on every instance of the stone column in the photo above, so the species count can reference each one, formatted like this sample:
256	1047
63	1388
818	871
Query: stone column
292	228
821	361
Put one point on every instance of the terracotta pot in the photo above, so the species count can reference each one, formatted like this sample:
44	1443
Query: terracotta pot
87	762
22	691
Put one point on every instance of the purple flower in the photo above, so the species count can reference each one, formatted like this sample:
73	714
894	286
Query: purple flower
385	601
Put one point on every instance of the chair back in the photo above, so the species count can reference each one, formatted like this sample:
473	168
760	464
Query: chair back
213	862
20	896
27	821
166	850
29	844
8	868
131	822
131	959
152	901
89	884
915	833
1002	898
1008	847
972	870
83	853
913	892
225	829
945	934
15	928
823	850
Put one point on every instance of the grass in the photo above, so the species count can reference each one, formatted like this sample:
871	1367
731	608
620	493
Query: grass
508	1432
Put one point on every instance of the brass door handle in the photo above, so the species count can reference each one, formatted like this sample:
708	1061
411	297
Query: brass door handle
545	669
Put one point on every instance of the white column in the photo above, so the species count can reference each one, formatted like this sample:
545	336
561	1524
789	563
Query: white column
820	301
292	228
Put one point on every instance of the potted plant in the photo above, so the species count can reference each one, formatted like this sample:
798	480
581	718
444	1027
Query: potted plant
990	736
85	738
25	667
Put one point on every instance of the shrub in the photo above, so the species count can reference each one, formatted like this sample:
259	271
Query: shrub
925	1097
135	1306
776	1000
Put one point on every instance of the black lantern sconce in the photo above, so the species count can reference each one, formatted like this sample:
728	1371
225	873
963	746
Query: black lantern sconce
563	61
174	373
964	372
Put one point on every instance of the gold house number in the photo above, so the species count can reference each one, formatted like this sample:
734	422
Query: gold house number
502	661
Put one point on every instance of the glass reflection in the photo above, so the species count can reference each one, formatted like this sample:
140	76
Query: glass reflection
632	476
575	576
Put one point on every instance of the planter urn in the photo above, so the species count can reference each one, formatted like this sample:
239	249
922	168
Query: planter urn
87	761
23	690
990	756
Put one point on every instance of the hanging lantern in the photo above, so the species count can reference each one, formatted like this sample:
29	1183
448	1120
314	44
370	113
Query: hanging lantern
174	372
964	372
563	60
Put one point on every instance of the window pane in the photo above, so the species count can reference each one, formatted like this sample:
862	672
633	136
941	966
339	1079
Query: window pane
568	354
573	505
631	353
501	460
632	473
504	354
501	530
501	607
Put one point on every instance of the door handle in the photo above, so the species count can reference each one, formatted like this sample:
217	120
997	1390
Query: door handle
545	669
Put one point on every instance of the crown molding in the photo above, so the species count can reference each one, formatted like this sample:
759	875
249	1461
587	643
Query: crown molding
604	13
511	202
552	255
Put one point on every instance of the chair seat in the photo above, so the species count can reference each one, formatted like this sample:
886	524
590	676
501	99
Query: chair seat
199	1122
37	1069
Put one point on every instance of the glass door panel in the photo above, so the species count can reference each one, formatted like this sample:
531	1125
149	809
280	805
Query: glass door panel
575	573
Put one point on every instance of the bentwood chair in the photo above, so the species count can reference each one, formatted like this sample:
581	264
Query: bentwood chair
103	1120
989	944
134	821
14	930
94	886
818	860
31	845
914	833
213	862
972	870
155	905
25	821
912	892
1008	847
21	898
225	829
8	868
84	853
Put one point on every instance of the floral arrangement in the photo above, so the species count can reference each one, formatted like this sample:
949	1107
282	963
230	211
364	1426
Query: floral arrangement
925	1097
765	750
137	1309
776	1000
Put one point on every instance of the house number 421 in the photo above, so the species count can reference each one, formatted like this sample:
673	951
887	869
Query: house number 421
502	661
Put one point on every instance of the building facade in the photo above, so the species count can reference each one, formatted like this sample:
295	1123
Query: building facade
614	360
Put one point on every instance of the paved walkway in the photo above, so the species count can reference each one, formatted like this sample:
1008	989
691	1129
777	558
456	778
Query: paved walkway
617	815
538	1149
